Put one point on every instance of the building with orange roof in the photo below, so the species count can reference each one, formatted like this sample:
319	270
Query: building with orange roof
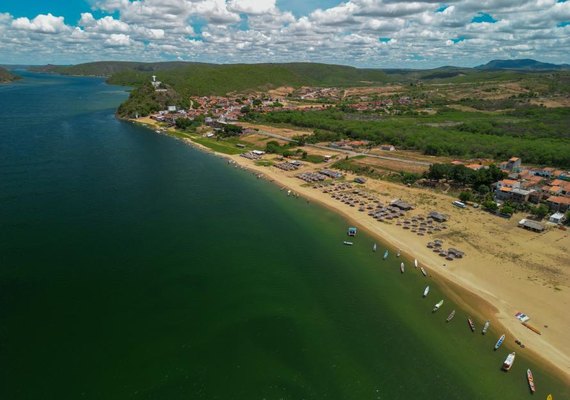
558	203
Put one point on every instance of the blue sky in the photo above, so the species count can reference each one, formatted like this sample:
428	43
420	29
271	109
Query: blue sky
367	33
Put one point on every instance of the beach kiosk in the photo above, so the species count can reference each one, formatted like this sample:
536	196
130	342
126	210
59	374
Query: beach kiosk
352	231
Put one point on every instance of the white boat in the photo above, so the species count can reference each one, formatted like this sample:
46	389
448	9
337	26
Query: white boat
348	243
485	327
398	255
288	193
509	361
426	291
423	271
416	262
374	247
437	306
402	268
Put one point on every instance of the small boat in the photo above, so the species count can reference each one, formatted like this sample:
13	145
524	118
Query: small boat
416	262
348	243
426	291
386	254
549	397
398	255
499	342
509	361
402	268
530	379
423	271
471	324
450	316
374	247
437	306
485	327
288	193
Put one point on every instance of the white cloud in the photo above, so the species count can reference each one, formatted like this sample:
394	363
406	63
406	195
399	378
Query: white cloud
118	40
255	7
41	23
349	33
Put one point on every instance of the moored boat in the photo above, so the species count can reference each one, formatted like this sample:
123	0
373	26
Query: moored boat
509	361
348	243
398	255
402	268
485	327
374	247
499	342
549	397
530	379
426	291
416	262
450	316
386	254
423	271
471	324
437	306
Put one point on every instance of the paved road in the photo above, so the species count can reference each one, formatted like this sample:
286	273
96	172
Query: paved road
348	152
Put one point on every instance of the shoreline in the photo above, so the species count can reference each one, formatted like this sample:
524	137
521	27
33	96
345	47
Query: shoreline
482	303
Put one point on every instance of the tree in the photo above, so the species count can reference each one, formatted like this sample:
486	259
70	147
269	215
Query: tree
539	211
567	217
507	209
465	196
483	190
490	205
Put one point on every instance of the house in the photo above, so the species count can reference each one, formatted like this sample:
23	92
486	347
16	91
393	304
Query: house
171	108
514	164
558	203
563	186
519	195
531	225
557	218
387	147
476	167
505	187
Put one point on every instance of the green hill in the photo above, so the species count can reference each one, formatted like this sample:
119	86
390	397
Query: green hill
7	76
522	64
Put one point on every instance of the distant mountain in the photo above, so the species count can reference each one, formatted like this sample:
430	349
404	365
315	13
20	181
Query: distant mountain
523	64
191	78
7	76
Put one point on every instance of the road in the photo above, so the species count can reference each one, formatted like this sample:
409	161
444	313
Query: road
348	152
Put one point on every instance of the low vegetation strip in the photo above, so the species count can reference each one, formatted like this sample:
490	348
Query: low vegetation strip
539	140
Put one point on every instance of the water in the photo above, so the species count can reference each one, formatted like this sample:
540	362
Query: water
133	266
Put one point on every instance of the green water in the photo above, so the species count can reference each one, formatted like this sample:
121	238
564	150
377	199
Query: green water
133	266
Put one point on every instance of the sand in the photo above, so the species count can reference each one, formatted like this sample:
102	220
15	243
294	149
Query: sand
506	269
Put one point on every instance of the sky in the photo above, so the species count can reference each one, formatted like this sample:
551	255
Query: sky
362	33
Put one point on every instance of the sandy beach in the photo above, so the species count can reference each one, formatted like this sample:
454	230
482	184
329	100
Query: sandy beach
506	269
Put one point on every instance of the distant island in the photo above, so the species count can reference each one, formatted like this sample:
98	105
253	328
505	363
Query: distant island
6	76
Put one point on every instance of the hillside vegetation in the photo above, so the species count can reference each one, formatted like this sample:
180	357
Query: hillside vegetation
538	135
7	76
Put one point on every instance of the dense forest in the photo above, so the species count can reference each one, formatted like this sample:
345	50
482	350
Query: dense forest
539	136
